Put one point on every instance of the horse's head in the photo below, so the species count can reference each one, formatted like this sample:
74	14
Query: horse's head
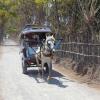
49	43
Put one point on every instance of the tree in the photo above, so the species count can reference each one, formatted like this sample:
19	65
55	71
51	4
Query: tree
5	13
89	10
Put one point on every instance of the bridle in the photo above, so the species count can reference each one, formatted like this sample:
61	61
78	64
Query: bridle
47	50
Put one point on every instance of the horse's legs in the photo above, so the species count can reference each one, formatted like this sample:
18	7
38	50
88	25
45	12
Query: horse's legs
37	61
42	68
50	69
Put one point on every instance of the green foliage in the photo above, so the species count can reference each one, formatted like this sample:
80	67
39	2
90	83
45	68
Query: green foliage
41	1
7	10
11	30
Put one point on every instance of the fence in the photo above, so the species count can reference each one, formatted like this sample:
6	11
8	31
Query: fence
87	53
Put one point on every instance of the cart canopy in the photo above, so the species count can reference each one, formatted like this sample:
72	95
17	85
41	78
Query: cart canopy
30	29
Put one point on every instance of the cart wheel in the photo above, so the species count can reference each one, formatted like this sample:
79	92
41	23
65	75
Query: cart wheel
24	68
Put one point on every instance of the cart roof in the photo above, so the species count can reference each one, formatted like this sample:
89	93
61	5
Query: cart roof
30	30
35	30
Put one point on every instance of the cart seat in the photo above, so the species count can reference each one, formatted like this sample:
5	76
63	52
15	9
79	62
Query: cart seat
31	51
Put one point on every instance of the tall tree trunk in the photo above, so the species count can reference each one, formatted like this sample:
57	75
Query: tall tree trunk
57	19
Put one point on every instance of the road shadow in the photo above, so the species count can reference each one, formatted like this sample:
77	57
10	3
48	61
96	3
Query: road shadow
57	82
56	79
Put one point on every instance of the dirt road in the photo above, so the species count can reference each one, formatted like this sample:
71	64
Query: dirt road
16	86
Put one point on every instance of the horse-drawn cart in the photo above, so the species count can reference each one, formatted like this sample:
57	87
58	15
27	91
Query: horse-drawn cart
37	45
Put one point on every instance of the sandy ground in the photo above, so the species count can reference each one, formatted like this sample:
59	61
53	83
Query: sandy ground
78	78
16	86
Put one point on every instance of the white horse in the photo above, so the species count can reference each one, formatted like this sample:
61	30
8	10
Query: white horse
46	55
